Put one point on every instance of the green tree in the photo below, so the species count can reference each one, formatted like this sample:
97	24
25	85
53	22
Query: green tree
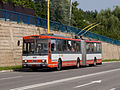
59	11
41	8
110	23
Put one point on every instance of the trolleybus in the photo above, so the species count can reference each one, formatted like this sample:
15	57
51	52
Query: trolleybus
53	51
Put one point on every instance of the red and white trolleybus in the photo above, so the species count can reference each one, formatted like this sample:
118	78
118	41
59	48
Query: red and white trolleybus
57	51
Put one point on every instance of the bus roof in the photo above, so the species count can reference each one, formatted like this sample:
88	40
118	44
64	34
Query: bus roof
48	36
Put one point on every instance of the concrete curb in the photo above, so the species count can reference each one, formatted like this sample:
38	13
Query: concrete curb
112	62
6	71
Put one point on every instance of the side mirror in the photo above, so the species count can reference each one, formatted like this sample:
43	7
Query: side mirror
18	43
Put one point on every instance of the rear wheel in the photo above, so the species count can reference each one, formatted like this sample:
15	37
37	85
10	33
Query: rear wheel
95	61
59	65
99	63
78	63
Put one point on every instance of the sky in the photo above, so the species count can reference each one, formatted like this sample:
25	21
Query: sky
97	4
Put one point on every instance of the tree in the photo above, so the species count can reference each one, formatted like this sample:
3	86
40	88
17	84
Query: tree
78	19
59	11
110	23
24	3
41	8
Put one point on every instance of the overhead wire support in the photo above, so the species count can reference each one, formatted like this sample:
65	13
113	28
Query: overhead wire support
86	27
90	28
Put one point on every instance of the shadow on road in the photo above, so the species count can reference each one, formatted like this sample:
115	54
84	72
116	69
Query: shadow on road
50	69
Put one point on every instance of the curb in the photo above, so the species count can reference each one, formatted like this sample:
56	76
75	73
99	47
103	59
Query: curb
112	62
6	71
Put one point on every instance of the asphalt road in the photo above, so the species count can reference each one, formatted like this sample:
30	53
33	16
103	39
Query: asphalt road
101	77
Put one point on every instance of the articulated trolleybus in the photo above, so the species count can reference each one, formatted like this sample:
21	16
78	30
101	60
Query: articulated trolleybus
51	51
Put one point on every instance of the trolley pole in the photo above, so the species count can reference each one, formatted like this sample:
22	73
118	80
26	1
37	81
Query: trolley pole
48	17
90	28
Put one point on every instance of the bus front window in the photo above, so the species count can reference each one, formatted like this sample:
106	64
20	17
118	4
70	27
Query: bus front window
35	46
41	46
28	47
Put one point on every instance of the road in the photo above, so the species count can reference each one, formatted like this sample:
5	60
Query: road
101	77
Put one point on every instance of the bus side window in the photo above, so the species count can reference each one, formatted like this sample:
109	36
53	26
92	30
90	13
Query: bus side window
64	47
73	46
58	45
78	46
88	47
98	47
53	45
69	45
95	47
92	47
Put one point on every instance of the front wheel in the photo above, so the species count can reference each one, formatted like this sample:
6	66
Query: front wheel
95	62
59	66
78	63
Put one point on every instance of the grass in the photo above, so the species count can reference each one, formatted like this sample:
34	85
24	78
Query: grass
110	60
10	67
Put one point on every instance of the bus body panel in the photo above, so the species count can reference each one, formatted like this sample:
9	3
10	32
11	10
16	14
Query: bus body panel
90	58
67	59
36	61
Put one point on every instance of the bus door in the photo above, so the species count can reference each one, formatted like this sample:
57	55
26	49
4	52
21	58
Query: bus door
83	50
49	51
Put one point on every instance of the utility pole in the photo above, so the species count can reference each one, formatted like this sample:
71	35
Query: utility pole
70	12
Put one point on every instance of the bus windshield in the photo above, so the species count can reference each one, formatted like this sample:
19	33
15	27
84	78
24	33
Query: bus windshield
35	46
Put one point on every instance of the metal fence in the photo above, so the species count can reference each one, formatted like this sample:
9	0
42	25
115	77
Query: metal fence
32	20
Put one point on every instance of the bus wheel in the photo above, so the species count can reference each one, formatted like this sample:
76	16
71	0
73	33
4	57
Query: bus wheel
99	63
95	61
78	63
59	65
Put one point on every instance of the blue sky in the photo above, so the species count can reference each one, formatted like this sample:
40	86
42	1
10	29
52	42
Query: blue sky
97	4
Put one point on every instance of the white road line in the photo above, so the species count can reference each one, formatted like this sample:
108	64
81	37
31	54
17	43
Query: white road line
11	77
60	71
98	81
113	89
63	80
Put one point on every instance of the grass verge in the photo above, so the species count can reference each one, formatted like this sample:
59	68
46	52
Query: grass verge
110	60
10	67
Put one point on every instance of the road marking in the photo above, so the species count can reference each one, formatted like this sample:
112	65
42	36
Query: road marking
11	77
98	81
113	89
63	80
60	71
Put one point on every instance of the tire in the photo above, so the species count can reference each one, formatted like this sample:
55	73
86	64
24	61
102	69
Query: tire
78	63
95	62
99	64
59	65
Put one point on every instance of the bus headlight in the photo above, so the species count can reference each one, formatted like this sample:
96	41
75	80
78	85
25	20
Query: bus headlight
25	61
43	61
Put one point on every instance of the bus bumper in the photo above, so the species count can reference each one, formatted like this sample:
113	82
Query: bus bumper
30	65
